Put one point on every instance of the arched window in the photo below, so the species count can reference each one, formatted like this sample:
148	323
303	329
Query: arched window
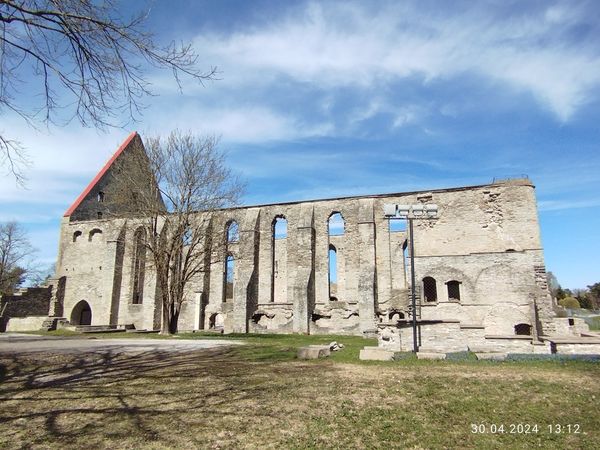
76	235
523	329
139	265
215	321
279	260
395	315
332	272
229	277
280	227
100	197
94	234
233	234
336	225
429	289
453	290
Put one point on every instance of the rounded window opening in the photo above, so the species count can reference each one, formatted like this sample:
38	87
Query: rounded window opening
336	225
233	233
95	234
280	226
429	289
395	316
76	235
215	321
523	329
81	314
100	197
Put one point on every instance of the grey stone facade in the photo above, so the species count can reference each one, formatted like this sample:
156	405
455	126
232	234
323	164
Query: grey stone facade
479	266
484	248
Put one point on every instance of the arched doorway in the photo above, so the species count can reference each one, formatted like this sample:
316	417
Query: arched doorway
81	314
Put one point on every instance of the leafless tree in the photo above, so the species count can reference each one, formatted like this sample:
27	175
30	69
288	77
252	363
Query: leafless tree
15	251
81	56
192	181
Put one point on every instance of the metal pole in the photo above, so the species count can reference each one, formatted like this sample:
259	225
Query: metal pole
413	286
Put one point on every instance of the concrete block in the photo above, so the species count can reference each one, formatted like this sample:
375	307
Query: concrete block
376	354
313	352
496	356
430	355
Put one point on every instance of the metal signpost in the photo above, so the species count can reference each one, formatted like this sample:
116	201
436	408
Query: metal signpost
410	213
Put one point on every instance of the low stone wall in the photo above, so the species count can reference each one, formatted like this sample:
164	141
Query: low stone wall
31	323
272	318
450	336
570	326
578	349
507	344
28	302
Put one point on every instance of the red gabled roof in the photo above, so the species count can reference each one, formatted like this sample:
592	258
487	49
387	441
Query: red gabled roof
100	174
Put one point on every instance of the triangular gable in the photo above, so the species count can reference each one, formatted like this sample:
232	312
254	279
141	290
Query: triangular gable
100	174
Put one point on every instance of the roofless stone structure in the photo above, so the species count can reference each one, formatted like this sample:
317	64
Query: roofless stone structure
329	266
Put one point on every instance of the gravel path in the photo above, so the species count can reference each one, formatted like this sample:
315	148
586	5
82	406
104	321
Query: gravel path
23	343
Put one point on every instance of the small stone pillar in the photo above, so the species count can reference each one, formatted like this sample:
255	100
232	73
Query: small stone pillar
246	276
366	267
301	253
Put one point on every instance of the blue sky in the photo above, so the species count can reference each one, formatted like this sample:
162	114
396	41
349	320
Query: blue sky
321	99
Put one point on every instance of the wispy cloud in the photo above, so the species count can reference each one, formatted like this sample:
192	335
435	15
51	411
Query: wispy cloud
338	44
238	123
556	205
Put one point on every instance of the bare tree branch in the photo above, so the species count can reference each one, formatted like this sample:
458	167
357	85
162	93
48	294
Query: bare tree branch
192	182
86	58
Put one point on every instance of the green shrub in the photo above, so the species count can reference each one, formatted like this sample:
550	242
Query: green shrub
569	302
593	322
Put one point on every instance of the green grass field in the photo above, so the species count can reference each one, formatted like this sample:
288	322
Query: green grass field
259	396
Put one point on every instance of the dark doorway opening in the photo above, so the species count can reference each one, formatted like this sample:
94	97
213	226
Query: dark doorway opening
81	314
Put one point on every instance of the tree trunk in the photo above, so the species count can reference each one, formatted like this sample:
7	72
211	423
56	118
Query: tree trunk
165	327
170	319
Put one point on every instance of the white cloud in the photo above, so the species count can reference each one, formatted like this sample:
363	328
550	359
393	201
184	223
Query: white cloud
358	45
239	123
556	205
64	160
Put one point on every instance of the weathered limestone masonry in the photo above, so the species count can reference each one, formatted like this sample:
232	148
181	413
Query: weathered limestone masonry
327	266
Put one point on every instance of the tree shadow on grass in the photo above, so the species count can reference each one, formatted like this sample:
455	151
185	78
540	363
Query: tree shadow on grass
147	395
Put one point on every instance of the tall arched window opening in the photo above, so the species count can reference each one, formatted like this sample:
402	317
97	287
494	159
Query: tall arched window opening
279	260
429	289
336	225
229	277
333	278
139	265
233	233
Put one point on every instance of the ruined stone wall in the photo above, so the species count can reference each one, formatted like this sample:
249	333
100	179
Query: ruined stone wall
96	259
28	302
486	239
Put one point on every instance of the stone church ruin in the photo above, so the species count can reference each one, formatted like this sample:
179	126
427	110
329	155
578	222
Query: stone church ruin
332	266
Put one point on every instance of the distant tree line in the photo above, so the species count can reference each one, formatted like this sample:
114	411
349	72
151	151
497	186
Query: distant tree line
588	298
